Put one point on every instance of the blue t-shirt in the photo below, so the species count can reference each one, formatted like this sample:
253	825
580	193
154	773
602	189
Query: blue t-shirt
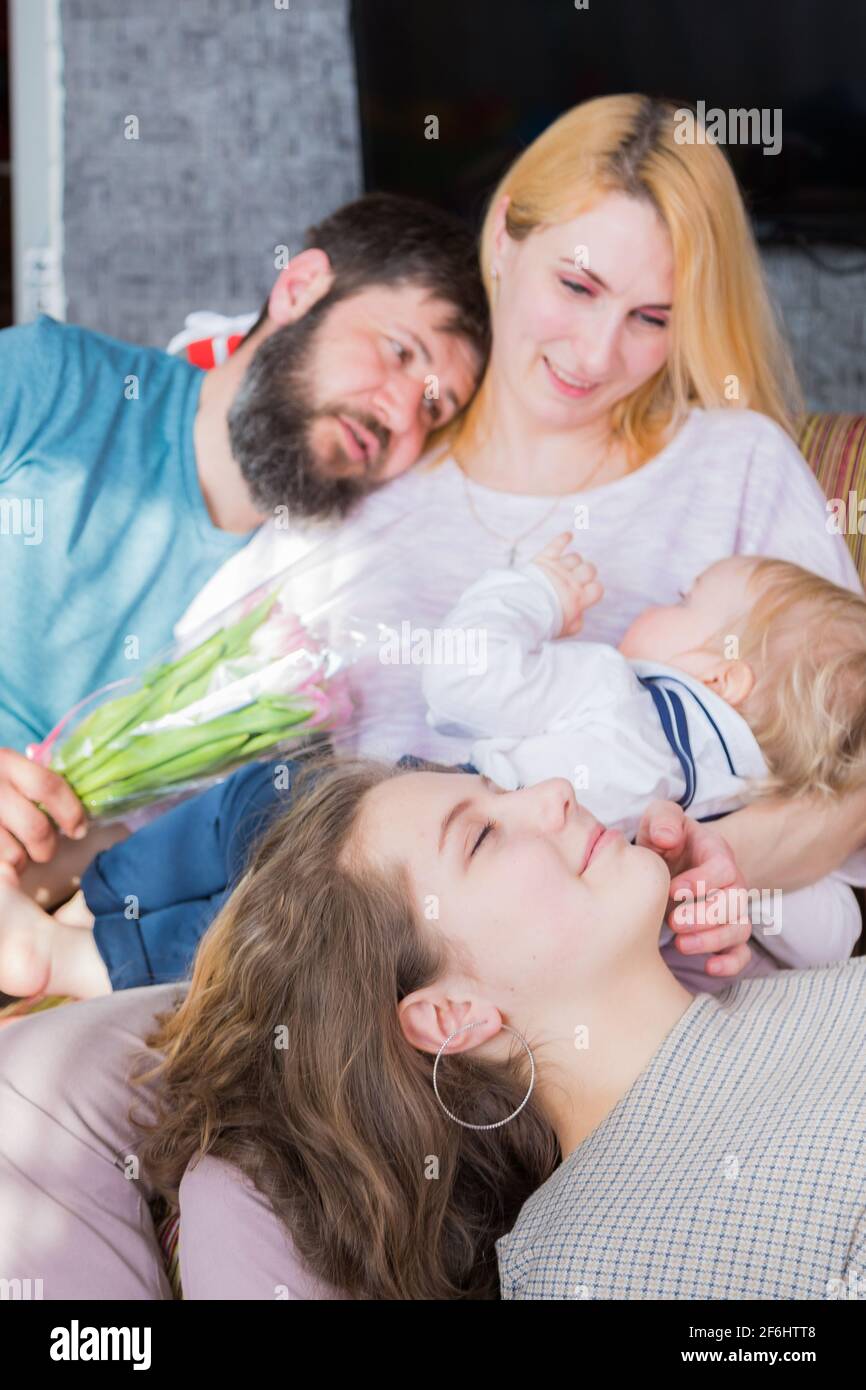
104	533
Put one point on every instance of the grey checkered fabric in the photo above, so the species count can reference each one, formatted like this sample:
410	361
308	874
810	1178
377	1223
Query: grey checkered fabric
734	1167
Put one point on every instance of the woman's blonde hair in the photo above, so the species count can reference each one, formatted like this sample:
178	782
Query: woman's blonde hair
726	346
806	639
287	1059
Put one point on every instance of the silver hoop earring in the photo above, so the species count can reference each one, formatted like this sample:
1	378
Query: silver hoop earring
496	1123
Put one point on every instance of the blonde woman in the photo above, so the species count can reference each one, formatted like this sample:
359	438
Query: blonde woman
638	393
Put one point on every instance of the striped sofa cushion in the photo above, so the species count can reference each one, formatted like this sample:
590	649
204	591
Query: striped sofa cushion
166	1223
834	446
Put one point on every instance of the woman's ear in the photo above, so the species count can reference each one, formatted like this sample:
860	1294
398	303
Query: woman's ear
501	239
733	680
304	281
429	1016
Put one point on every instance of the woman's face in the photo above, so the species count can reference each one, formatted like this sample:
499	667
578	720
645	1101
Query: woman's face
583	312
539	899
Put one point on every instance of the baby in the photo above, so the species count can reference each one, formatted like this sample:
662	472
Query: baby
753	683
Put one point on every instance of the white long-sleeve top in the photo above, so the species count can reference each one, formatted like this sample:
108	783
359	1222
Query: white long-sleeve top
539	706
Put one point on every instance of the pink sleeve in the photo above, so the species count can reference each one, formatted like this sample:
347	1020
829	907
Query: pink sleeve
231	1244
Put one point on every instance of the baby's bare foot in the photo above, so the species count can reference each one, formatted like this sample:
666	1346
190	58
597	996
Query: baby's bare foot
25	944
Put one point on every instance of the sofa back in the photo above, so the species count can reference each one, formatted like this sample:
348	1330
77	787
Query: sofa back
834	446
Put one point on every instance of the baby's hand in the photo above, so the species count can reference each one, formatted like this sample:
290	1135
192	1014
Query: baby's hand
573	579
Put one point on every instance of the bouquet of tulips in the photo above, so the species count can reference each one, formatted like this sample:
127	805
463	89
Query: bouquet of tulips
258	681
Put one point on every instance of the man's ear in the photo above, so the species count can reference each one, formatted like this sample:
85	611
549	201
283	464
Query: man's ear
429	1016
733	680
304	281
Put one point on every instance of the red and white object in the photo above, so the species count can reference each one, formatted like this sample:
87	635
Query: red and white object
209	339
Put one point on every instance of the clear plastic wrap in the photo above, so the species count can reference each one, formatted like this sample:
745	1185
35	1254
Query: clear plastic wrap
266	677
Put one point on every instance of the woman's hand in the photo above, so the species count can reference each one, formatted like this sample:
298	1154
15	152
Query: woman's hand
708	910
573	578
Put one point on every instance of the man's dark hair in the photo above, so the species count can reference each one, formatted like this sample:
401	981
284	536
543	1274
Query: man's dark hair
387	239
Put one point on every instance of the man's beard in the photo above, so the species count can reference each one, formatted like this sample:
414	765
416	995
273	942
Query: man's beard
270	426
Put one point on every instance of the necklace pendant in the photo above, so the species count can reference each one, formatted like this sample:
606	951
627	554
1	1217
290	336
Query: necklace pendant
511	556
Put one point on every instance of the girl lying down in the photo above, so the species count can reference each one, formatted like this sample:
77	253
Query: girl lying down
433	1037
145	903
754	683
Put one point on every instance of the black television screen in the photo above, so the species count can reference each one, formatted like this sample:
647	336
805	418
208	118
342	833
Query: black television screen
494	73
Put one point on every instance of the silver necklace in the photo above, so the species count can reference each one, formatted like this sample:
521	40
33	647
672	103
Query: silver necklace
514	541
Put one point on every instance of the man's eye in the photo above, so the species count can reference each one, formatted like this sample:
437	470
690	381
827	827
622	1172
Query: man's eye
400	351
491	825
432	408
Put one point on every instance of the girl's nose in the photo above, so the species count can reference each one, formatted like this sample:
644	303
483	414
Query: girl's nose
551	803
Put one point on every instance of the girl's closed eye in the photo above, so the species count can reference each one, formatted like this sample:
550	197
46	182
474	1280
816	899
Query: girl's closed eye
491	825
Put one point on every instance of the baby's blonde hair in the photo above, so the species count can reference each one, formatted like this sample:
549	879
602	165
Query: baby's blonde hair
806	640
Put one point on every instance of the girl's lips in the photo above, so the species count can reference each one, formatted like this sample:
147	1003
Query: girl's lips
591	843
599	840
566	388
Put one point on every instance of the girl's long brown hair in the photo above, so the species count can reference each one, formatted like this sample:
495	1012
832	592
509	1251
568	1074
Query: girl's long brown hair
286	1058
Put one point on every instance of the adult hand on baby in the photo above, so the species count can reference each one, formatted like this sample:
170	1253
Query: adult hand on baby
26	832
708	911
572	577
